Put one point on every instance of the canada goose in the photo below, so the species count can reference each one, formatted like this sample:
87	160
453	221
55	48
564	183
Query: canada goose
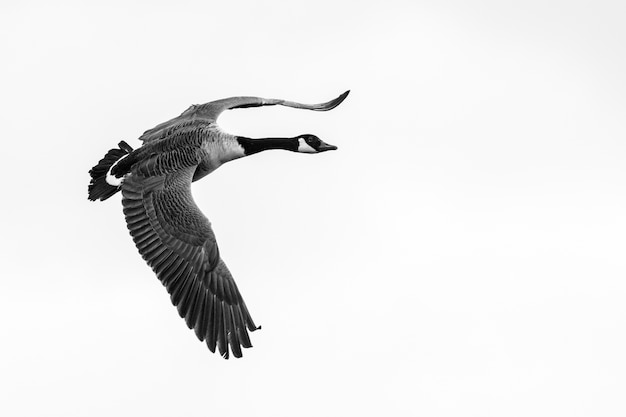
170	231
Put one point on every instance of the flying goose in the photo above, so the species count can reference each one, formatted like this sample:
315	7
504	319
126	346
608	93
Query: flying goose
168	228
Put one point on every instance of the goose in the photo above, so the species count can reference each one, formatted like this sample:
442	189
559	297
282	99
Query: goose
167	227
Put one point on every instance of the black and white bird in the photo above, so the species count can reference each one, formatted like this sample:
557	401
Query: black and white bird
168	228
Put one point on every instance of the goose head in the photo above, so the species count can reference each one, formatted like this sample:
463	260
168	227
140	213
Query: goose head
312	144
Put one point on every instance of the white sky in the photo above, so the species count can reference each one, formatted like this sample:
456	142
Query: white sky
461	254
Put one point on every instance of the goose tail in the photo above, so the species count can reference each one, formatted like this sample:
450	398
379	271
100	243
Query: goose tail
103	185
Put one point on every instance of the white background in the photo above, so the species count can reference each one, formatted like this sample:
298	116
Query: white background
461	254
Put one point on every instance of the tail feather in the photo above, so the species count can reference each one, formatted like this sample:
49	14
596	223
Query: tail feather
99	188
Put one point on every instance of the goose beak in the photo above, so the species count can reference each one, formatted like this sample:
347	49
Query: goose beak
326	147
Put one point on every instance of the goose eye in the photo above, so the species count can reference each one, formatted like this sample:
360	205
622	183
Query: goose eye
313	141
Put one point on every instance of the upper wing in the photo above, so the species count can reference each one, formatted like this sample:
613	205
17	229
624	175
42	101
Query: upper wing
185	124
176	240
209	112
213	109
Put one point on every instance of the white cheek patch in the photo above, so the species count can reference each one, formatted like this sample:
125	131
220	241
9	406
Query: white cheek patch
305	147
112	179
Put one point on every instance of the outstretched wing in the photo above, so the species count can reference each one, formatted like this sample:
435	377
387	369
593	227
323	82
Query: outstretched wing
176	240
213	109
199	114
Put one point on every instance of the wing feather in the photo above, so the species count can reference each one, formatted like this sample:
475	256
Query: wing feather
177	241
211	328
221	330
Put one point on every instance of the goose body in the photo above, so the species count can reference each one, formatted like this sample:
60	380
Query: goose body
169	230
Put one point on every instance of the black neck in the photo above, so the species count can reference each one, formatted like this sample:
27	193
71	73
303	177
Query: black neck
252	146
